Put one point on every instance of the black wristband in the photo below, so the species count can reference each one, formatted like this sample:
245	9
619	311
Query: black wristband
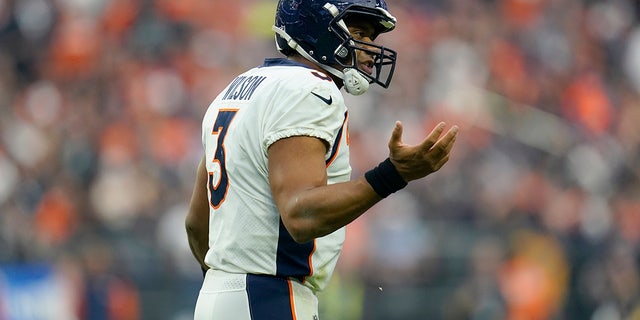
385	179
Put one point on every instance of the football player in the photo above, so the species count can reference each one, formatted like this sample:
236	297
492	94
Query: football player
274	189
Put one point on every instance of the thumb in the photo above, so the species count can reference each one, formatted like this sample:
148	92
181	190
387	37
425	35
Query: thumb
396	135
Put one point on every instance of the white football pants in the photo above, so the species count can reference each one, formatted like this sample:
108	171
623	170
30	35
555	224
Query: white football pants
230	296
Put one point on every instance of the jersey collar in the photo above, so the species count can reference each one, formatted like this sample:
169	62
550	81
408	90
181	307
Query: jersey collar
272	62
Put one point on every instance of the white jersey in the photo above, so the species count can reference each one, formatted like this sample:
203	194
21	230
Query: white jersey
277	100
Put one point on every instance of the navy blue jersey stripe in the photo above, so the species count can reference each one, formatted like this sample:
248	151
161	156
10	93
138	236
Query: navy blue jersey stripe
269	297
292	258
336	143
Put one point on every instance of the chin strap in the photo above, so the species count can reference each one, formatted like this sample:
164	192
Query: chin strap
354	82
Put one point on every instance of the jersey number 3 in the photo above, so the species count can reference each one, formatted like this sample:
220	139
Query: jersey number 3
218	179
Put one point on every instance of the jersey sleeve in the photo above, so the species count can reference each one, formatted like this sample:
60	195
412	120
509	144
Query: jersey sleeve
298	112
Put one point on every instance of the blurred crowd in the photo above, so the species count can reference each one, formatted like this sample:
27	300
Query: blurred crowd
536	215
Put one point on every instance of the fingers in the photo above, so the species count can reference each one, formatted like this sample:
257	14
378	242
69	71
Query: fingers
444	145
396	136
417	161
448	139
430	141
433	137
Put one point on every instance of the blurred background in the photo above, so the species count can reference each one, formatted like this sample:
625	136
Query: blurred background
536	215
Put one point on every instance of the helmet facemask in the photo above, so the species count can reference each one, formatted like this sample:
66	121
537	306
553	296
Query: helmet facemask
346	54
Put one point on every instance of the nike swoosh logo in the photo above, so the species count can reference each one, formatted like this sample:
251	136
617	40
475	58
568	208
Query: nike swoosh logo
327	101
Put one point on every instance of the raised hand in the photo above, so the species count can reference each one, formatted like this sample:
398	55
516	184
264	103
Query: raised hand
417	161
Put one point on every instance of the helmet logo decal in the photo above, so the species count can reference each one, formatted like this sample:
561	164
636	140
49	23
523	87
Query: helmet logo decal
293	4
